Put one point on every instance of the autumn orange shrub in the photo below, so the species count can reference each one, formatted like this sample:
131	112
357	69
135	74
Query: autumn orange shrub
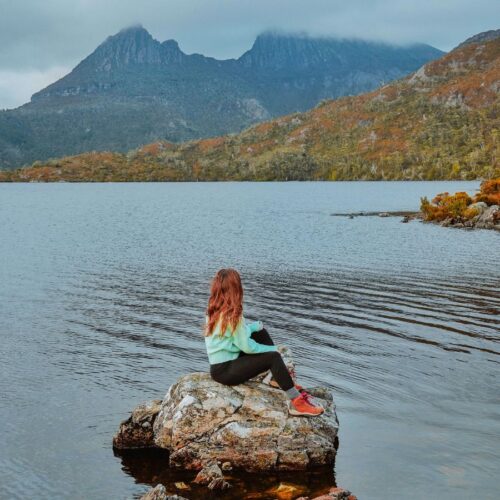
446	206
490	192
457	206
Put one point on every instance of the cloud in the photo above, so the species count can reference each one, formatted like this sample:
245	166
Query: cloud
16	87
36	36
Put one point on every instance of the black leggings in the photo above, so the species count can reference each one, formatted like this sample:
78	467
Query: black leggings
247	366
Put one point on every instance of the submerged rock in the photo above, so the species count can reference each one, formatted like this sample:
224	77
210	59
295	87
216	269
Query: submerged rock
286	491
334	493
159	492
202	422
341	494
211	476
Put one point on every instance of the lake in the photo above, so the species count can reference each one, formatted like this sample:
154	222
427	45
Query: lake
102	296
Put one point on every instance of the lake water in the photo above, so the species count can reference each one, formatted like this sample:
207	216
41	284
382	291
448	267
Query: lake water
102	296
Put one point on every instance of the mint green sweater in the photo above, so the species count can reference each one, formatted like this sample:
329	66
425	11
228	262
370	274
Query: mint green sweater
228	347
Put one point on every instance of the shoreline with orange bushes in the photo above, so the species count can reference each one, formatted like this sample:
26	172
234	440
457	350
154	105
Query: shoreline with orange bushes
459	210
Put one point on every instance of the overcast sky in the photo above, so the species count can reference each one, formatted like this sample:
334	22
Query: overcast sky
42	40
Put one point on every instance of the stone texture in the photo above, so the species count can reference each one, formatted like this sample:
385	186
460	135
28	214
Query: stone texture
489	218
137	430
286	491
341	494
211	476
334	493
160	493
201	421
480	206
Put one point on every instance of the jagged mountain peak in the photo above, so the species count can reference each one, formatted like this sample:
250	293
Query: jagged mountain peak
277	50
273	49
171	44
131	45
171	52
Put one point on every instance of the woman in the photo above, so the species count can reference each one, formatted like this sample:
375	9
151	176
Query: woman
238	351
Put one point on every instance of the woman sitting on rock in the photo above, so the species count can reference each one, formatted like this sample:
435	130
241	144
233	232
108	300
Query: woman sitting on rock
238	351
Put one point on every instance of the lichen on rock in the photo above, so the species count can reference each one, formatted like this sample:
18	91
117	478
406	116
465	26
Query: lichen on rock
159	492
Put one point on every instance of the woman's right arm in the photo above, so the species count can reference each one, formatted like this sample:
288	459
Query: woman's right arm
242	339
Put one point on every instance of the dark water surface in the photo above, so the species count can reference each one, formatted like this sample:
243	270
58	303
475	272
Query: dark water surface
102	294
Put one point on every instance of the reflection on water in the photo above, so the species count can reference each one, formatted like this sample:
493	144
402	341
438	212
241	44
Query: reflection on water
102	293
149	467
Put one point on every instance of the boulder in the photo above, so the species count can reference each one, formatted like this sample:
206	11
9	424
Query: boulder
480	206
489	218
247	426
285	491
334	493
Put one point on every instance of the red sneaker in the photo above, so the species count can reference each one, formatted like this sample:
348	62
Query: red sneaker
302	405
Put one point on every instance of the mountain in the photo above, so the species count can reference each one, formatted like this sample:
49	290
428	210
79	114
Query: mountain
483	37
441	122
133	89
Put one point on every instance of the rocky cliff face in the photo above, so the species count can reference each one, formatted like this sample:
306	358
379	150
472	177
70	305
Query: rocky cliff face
275	52
133	89
130	50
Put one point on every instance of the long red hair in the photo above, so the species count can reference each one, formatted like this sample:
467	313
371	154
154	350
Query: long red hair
226	301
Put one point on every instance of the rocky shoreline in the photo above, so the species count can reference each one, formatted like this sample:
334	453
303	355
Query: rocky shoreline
399	213
488	217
